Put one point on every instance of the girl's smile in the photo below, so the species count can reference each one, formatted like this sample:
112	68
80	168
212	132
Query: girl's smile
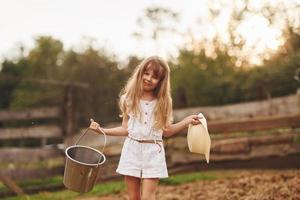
150	80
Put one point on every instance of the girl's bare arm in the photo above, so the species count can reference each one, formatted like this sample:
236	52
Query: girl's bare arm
179	126
116	131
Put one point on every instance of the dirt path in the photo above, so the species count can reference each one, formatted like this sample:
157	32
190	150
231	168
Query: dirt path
248	185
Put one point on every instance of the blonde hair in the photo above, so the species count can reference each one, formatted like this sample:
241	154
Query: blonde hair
132	92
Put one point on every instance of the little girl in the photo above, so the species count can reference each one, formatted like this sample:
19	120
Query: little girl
146	107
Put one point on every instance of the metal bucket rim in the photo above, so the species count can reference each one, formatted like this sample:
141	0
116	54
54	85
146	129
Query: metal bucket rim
82	163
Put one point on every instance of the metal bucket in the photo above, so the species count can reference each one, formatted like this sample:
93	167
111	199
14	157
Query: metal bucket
82	166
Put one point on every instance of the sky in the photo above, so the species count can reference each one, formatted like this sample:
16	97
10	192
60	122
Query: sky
110	24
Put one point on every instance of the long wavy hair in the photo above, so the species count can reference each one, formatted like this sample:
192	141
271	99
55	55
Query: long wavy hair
132	92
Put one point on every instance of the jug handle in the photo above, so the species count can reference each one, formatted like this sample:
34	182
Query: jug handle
93	130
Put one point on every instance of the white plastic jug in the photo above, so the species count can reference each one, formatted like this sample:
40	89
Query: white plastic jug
198	138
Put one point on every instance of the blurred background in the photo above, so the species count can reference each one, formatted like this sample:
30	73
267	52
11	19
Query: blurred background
64	62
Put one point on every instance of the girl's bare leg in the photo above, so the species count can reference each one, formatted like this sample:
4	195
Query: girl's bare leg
133	185
149	188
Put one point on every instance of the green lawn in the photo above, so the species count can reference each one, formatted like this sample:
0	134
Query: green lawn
53	181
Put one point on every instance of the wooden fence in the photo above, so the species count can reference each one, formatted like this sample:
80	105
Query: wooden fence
16	156
272	116
268	129
249	131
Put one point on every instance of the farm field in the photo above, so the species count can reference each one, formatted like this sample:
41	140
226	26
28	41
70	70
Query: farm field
239	184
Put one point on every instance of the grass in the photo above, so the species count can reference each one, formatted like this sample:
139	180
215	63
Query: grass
49	163
56	180
98	190
118	186
186	178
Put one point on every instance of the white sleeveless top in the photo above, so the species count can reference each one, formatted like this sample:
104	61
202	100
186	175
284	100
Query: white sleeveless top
142	129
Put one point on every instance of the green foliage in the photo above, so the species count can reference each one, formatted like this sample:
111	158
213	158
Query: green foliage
8	85
276	76
38	80
201	80
105	81
197	78
42	64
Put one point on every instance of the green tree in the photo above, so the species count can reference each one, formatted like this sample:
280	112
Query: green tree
105	79
198	79
10	76
42	64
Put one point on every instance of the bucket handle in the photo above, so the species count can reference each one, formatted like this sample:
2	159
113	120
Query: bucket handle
93	130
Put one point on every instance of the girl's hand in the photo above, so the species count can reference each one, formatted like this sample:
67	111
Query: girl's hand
192	119
94	125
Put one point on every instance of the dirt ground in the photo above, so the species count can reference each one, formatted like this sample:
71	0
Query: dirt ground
242	185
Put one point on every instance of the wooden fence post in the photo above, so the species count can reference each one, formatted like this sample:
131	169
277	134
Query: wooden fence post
298	99
69	110
11	185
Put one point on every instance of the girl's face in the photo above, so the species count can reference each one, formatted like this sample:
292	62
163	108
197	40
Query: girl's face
150	80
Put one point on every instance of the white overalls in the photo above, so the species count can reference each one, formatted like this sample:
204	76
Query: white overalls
138	159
